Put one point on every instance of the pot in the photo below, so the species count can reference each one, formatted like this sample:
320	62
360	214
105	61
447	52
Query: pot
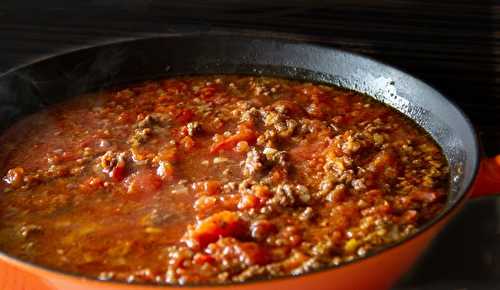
31	87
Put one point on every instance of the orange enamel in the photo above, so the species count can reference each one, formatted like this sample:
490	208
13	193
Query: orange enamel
488	179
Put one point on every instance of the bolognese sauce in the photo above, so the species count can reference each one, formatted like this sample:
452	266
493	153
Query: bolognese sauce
214	179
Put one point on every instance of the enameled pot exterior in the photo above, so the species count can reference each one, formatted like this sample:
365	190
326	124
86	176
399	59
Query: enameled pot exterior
27	89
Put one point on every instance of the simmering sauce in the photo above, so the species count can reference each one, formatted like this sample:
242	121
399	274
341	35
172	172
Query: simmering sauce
214	179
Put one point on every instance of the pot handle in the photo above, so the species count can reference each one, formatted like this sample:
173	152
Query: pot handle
488	178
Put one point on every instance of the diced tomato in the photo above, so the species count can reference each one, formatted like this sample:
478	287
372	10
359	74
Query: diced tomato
245	133
209	187
200	259
254	254
183	131
221	224
230	201
165	169
95	182
262	191
188	143
118	172
204	204
14	177
142	184
381	161
242	147
249	201
91	184
256	199
262	229
176	133
179	133
184	116
383	208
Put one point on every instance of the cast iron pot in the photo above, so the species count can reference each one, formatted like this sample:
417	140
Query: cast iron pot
29	88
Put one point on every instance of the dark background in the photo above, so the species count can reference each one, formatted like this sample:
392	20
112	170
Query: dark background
453	45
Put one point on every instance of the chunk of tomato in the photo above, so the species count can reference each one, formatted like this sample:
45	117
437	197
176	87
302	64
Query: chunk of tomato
143	184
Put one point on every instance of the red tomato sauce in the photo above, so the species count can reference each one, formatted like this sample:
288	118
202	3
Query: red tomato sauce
214	179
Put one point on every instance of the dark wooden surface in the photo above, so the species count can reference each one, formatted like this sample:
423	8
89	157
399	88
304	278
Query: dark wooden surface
453	45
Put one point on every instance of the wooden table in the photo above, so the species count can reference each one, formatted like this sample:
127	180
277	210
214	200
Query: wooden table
453	45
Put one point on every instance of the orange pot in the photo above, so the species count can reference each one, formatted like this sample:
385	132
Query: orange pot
214	53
